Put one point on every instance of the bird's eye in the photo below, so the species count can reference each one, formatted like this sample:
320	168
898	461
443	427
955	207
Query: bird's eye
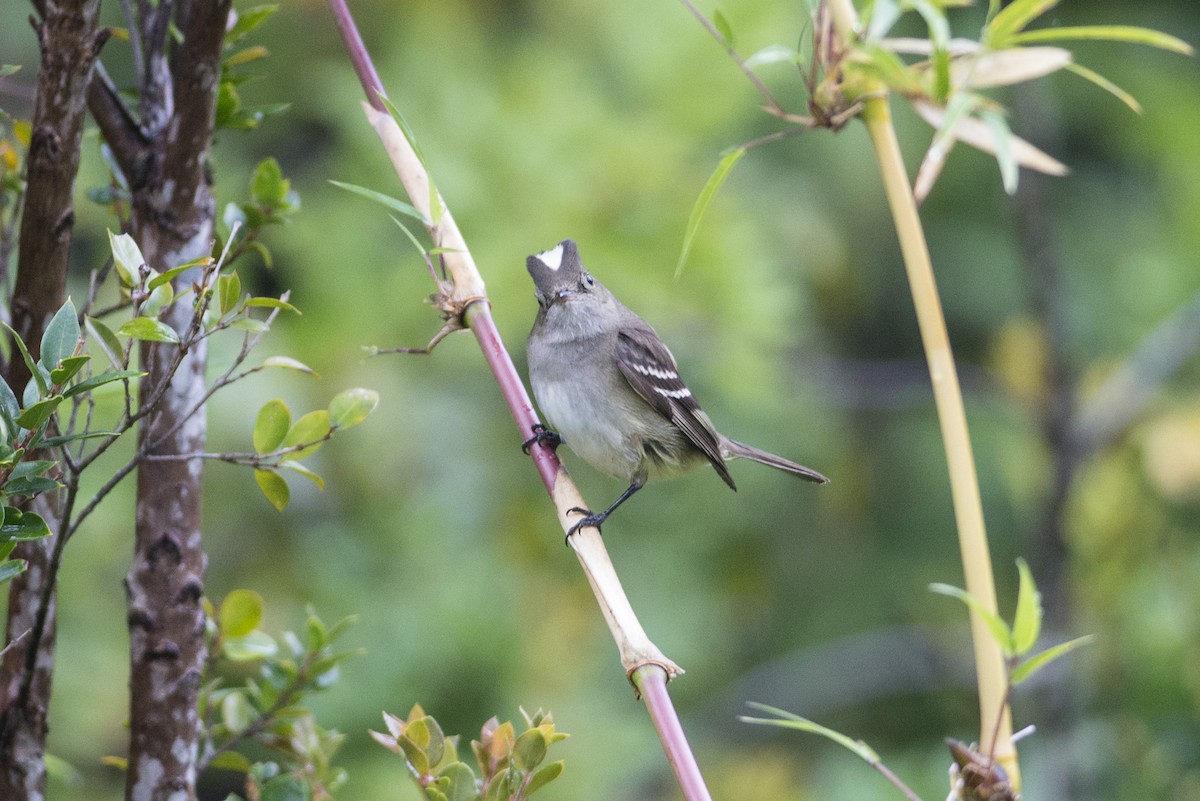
587	279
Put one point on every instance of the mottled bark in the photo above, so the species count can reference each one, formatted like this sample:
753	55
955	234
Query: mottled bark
69	42
172	221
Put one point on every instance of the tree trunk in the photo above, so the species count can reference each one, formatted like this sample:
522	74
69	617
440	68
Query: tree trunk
173	217
69	41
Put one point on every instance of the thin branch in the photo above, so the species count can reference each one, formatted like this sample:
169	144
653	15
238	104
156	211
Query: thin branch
775	107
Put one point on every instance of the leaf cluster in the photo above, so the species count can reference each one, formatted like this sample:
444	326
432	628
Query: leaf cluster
510	765
265	708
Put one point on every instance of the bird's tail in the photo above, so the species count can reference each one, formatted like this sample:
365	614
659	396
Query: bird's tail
732	449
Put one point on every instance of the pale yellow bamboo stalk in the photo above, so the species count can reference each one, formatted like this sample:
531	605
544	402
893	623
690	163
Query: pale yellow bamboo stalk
995	736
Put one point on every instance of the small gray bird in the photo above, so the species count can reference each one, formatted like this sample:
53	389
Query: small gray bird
609	386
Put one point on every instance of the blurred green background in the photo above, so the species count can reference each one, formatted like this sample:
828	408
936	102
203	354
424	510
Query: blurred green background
542	120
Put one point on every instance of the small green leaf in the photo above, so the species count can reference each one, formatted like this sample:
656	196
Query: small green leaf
230	760
271	426
285	788
997	626
250	324
1027	621
236	712
108	342
35	416
248	20
1012	19
229	292
67	369
790	721
459	782
61	336
273	303
169	276
1035	663
530	750
255	645
311	428
38	376
407	209
296	467
268	186
9	406
1002	138
543	776
241	613
149	330
159	298
723	27
704	200
10	568
88	384
351	407
288	363
273	487
20	526
127	258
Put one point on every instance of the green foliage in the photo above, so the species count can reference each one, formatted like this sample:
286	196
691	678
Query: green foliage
1017	640
246	711
510	766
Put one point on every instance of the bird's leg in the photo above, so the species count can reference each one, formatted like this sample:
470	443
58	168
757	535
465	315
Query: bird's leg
541	435
590	519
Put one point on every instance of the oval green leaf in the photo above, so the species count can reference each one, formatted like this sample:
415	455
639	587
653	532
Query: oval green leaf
273	487
271	425
149	330
241	613
311	428
352	406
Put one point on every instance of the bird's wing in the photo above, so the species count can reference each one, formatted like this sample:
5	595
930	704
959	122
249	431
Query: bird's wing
650	369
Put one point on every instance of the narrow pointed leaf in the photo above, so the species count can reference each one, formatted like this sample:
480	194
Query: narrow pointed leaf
1027	620
272	303
997	626
407	209
1035	663
977	135
704	200
108	342
296	467
1111	33
1012	19
95	381
38	376
1107	85
787	720
288	363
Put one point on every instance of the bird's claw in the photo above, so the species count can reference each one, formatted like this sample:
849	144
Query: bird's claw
541	435
588	520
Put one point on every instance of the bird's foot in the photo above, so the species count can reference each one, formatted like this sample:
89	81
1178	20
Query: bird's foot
541	435
588	520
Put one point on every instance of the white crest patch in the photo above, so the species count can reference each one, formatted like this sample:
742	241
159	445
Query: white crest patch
552	258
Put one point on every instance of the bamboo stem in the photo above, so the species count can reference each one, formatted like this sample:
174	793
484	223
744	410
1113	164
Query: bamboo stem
995	717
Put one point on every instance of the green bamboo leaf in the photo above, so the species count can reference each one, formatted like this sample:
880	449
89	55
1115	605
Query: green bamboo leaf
407	209
704	200
790	721
61	335
271	426
351	407
1035	663
1002	140
997	626
273	487
1013	19
1027	621
241	613
149	330
1111	33
1106	85
405	128
248	20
